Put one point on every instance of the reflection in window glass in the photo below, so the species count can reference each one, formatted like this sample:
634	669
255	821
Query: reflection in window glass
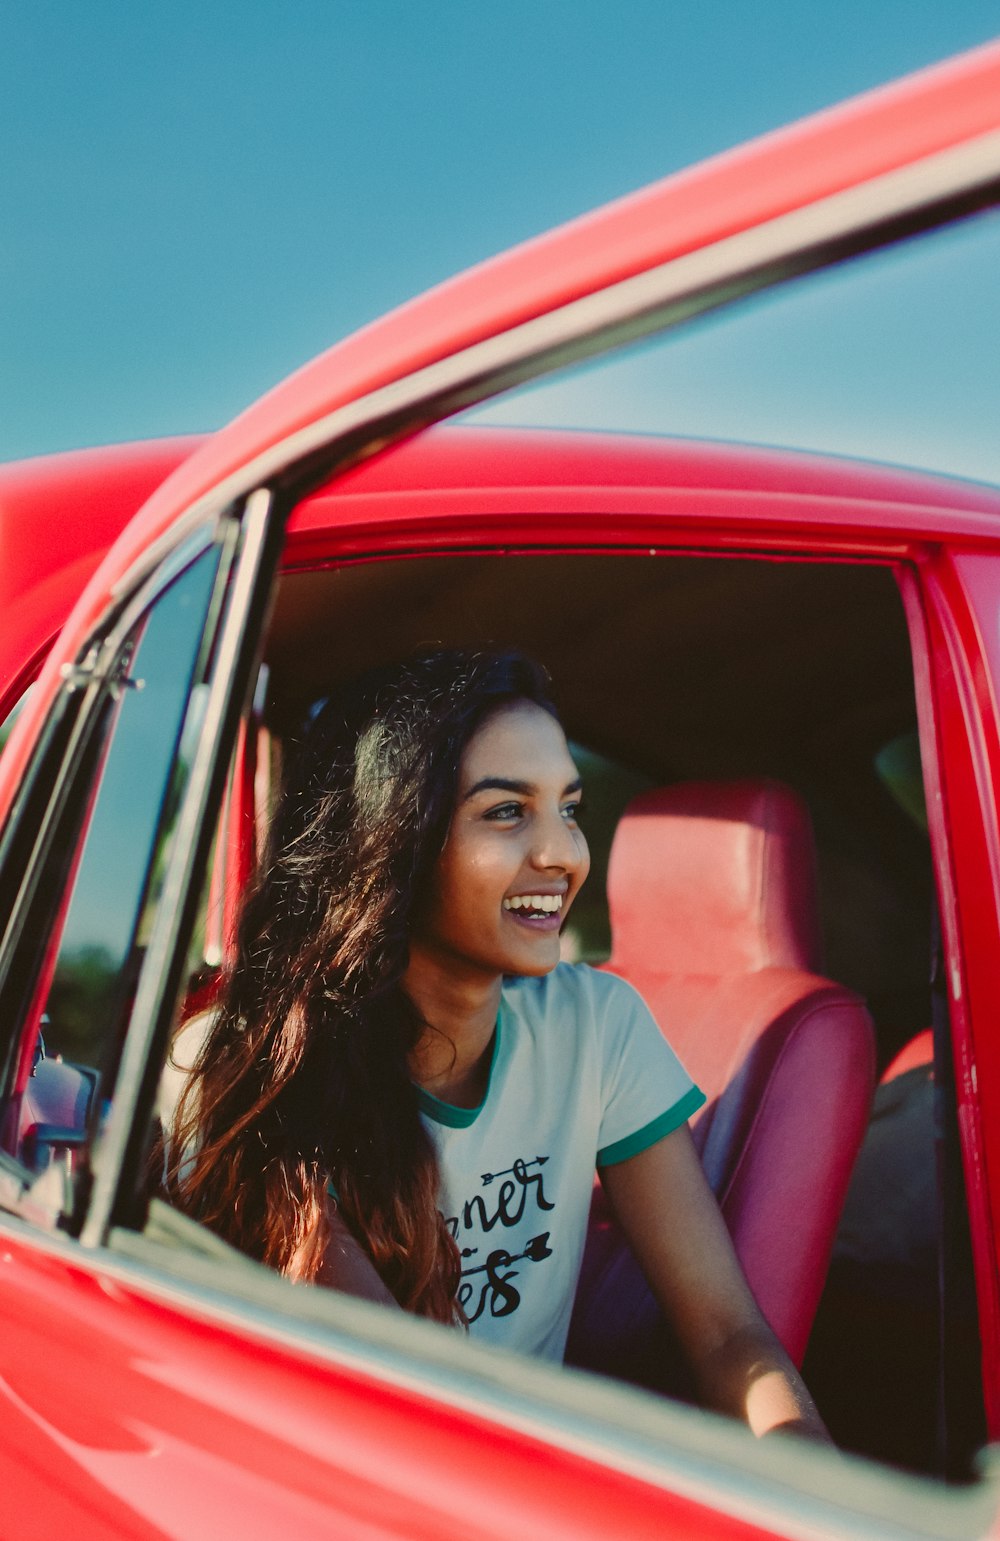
136	806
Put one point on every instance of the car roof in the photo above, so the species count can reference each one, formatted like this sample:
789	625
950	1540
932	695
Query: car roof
60	513
57	511
590	467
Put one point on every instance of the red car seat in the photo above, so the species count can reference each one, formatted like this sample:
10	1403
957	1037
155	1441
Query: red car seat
711	888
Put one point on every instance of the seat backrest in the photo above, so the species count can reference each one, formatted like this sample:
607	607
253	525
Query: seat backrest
713	878
714	919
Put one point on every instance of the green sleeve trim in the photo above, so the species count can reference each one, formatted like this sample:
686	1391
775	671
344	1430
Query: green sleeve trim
648	1135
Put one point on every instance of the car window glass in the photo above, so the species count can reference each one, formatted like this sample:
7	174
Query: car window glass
891	356
65	1070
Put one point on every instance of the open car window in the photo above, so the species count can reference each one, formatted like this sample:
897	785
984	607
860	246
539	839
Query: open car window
678	669
891	358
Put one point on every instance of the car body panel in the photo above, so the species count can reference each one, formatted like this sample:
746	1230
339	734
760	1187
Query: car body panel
58	516
201	1412
461	488
470	479
950	674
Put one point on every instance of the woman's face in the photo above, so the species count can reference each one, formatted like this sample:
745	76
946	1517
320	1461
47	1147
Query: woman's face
515	856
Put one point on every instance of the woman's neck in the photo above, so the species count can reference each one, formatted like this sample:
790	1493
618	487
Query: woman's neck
452	1057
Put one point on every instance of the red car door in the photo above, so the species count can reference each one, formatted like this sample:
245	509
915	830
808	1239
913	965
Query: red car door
153	1383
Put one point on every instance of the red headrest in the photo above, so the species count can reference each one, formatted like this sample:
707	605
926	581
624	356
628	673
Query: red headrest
713	878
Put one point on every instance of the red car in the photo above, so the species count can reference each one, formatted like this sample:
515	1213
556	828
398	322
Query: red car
788	668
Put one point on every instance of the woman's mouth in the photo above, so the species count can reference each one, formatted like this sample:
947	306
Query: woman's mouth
541	912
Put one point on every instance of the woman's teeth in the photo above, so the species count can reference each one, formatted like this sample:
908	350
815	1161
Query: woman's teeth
548	904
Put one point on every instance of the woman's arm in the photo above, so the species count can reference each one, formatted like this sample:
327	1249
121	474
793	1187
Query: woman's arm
668	1212
346	1266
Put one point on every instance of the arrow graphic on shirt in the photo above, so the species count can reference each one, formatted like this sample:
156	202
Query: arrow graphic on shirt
518	1170
536	1251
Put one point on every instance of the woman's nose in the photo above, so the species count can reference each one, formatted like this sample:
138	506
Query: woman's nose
557	844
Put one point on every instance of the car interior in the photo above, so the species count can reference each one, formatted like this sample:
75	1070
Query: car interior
747	734
746	730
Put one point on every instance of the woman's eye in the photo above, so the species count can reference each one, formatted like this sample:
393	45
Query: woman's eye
572	812
505	813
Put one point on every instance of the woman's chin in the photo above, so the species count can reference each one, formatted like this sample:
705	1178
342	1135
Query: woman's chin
536	960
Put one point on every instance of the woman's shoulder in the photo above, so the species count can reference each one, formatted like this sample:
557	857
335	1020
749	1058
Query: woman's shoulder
576	1015
570	987
181	1060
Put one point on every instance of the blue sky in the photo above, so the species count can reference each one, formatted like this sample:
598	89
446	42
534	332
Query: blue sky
198	197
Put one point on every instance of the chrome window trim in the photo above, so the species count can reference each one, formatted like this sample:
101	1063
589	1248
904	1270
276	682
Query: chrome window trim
130	600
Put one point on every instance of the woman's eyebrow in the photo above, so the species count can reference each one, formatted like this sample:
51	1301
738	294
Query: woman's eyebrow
499	784
522	788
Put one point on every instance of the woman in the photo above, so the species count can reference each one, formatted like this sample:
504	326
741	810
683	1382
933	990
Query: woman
404	1093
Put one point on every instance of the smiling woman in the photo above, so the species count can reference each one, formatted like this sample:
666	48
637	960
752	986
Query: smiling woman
397	1039
514	859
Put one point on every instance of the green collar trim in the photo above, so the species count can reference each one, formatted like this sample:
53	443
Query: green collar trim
446	1112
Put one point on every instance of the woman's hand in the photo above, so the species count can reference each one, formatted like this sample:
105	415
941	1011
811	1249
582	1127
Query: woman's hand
671	1219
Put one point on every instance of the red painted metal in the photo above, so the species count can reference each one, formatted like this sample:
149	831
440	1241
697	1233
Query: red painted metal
509	486
58	516
476	461
948	674
457	487
464	488
962	596
209	1431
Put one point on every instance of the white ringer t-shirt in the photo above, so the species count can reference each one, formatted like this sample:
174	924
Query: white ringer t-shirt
581	1077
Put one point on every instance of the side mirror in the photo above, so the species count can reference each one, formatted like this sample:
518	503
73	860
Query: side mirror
58	1106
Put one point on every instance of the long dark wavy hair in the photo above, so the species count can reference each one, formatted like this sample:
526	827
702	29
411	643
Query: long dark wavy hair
303	1078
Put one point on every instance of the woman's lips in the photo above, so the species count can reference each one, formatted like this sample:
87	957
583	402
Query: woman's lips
529	921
